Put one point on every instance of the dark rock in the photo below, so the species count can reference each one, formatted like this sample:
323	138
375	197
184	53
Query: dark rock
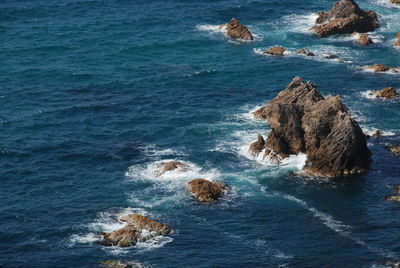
331	57
206	191
124	237
257	146
396	189
392	148
345	17
386	93
304	52
276	51
238	31
303	121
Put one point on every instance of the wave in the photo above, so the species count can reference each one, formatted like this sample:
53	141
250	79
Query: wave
300	23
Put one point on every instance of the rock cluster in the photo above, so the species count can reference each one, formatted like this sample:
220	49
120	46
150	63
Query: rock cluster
237	30
303	121
386	93
206	191
345	17
138	229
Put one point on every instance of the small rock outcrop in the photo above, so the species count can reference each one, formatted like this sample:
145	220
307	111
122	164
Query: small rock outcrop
304	52
345	17
393	148
395	2
395	198
386	93
396	189
397	43
170	166
379	68
138	229
235	29
206	191
276	51
364	39
120	264
304	121
257	146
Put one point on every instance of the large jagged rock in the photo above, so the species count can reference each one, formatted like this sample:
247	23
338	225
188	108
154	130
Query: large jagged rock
206	191
303	121
386	93
345	17
138	229
276	51
170	166
237	30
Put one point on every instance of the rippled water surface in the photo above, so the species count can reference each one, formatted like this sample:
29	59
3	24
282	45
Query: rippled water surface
95	93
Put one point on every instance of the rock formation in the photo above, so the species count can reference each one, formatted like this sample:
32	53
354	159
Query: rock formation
303	121
237	30
386	93
397	43
345	17
170	166
138	229
395	2
276	51
392	148
395	198
379	68
304	52
364	39
396	189
206	191
257	146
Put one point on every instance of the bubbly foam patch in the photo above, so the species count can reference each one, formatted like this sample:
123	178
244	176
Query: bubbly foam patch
300	23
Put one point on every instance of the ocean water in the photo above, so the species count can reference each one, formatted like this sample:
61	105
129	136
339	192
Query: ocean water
95	93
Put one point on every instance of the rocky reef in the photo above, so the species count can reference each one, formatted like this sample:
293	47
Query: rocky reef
206	191
138	229
304	121
345	17
235	29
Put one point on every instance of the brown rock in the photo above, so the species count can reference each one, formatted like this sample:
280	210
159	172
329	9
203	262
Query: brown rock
304	52
170	166
386	93
276	51
365	40
395	198
397	43
302	120
345	17
236	30
206	191
133	232
395	2
144	223
396	189
379	68
257	146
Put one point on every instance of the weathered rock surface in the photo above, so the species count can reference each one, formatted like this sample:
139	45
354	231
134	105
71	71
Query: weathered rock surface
302	120
206	191
364	39
138	229
379	68
276	51
386	93
237	30
304	52
170	166
345	17
392	148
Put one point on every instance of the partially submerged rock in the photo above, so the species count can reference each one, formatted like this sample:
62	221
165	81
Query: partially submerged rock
397	43
120	264
396	189
395	198
303	121
395	2
364	39
304	52
331	57
392	148
386	93
376	134
257	146
237	30
170	166
276	51
379	68
206	191
138	229
345	17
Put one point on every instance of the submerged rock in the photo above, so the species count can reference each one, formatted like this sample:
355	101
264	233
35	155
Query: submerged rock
392	148
303	121
237	30
276	51
138	229
170	166
345	17
386	93
304	52
364	39
376	134
206	191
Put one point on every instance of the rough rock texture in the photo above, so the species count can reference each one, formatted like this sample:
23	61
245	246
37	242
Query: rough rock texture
257	146
304	52
386	93
236	30
364	40
302	120
379	68
331	57
276	51
395	198
345	17
138	229
206	191
171	165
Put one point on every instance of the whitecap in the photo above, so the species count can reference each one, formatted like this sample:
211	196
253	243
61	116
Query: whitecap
300	23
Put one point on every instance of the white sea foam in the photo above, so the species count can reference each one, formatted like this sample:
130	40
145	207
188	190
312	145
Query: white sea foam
248	114
212	28
300	23
371	130
152	150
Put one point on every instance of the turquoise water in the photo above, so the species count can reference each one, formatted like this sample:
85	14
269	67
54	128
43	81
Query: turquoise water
94	93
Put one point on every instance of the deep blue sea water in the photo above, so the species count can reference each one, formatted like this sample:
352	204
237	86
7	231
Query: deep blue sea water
94	93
